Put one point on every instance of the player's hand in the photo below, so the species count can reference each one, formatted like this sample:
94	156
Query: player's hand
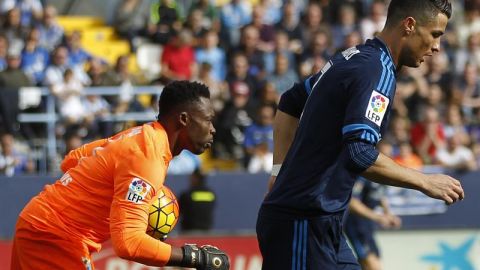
205	257
395	221
443	187
382	220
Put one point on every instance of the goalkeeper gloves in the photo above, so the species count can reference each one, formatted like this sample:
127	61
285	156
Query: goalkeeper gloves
204	258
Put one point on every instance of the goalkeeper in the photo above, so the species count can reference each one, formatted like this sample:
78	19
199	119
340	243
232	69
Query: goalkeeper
108	187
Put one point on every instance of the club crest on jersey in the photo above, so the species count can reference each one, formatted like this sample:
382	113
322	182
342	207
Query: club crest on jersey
137	190
377	106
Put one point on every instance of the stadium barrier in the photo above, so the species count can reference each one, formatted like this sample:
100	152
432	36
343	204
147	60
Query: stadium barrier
50	117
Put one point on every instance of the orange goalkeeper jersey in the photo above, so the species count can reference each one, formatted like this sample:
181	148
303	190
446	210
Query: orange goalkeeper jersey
106	192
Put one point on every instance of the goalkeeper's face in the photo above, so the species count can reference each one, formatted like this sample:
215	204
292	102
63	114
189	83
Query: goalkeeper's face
198	133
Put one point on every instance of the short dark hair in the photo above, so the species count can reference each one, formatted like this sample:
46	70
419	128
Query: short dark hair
422	10
180	93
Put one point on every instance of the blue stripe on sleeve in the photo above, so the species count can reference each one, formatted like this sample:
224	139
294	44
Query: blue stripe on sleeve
299	251
294	248
384	70
305	237
384	88
307	85
355	127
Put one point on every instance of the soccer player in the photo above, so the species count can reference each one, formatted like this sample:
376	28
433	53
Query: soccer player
108	187
299	224
361	219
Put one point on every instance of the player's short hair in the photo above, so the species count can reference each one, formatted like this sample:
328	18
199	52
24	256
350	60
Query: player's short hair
422	10
180	93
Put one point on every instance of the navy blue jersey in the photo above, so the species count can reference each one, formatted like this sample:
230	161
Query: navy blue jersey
351	96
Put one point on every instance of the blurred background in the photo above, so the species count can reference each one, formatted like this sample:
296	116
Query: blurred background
75	71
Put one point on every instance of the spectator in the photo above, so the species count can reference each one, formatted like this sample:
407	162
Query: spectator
35	59
319	47
164	21
69	94
30	10
218	89
280	47
125	101
239	72
13	76
468	87
375	22
233	16
51	33
290	25
312	23
210	14
77	56
3	52
269	95
212	54
283	78
428	135
13	162
407	157
97	109
439	72
470	53
130	18
259	141
13	30
58	64
178	58
454	125
455	156
272	11
346	25
100	74
197	204
266	31
194	23
249	46
231	123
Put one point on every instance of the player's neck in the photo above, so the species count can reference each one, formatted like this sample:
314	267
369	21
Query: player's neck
172	135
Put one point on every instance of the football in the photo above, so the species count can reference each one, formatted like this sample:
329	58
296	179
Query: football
163	214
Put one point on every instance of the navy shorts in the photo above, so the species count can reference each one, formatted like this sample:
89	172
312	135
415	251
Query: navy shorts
303	244
362	240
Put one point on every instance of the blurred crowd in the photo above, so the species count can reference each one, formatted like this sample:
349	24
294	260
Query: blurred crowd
248	52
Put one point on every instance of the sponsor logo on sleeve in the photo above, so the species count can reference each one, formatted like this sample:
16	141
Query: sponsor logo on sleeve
348	53
377	106
137	191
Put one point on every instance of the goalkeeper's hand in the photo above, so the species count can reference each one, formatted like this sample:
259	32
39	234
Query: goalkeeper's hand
204	258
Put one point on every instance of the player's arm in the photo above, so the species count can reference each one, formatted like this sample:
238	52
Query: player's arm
285	124
357	207
129	220
439	186
361	133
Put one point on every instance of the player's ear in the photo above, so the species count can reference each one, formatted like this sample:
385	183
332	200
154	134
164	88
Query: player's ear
183	119
409	24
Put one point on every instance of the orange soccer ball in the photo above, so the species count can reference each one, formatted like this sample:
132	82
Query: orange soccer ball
163	214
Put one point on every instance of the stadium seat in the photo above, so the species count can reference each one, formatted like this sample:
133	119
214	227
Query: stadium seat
71	23
148	59
98	34
108	50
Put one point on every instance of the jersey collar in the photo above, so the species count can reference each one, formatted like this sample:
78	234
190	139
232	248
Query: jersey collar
381	44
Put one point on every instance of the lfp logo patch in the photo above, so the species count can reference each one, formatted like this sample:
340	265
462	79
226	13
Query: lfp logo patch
137	190
377	107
